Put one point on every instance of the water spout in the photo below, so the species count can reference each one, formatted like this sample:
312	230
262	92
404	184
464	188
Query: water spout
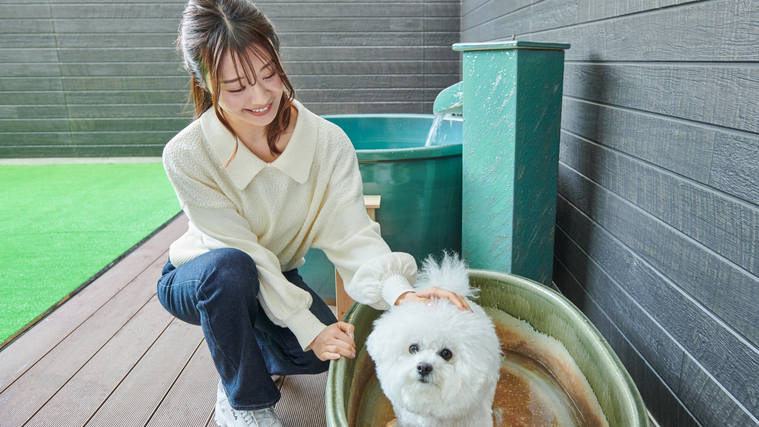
432	138
450	100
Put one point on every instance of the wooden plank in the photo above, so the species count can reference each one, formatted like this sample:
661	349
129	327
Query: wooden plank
693	32
353	53
137	397
469	6
124	54
302	402
116	125
477	15
27	40
173	83
33	125
326	67
30	83
318	39
35	344
144	70
719	222
86	390
598	10
662	403
358	82
28	55
117	10
720	95
74	40
277	11
26	26
24	11
43	381
692	325
130	111
734	170
137	150
368	107
681	147
709	402
644	333
31	112
360	95
33	98
692	266
192	398
30	70
124	25
22	138
125	97
438	9
123	139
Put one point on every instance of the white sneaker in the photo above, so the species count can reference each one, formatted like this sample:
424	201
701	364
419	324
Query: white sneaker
227	416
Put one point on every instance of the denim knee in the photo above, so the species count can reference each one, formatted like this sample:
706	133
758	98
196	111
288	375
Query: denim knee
233	269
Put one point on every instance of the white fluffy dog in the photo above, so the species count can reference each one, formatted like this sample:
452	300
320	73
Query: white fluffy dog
438	365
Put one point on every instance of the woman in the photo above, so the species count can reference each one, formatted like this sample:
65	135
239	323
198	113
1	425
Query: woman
262	180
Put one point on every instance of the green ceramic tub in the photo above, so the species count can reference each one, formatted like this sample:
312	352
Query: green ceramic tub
420	185
353	396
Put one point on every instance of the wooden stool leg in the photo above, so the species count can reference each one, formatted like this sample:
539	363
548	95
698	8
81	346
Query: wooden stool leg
342	300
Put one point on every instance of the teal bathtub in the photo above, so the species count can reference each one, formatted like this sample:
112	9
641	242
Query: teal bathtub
420	185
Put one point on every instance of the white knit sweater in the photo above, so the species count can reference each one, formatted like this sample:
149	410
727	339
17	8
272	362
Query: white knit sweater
310	196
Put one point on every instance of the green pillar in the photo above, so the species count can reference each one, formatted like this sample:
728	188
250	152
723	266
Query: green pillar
512	94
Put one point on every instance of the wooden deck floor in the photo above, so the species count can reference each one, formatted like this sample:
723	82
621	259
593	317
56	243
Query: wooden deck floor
112	356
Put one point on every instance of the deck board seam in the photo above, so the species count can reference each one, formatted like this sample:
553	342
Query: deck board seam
171	386
83	365
84	321
136	362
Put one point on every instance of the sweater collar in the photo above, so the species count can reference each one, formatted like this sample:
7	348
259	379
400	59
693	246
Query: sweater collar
295	161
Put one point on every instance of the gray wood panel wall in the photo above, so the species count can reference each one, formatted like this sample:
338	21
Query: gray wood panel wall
102	78
658	210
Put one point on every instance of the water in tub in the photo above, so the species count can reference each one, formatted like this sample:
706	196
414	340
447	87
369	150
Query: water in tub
540	384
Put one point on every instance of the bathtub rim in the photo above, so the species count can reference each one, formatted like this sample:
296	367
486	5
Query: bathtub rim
630	410
400	154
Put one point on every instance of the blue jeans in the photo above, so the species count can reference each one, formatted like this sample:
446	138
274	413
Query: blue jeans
218	291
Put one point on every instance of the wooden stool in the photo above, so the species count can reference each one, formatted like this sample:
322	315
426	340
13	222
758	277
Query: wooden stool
342	300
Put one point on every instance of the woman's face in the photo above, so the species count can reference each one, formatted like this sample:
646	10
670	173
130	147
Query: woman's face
249	106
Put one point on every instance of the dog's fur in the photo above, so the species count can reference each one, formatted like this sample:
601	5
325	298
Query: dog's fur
408	346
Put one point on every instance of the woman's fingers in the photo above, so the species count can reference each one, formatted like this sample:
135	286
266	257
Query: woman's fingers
427	294
335	341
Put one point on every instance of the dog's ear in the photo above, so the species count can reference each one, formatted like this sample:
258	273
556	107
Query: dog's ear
451	274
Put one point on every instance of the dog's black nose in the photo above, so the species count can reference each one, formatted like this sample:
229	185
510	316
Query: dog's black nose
424	369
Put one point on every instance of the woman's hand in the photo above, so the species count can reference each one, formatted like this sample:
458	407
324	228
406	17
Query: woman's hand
426	296
334	341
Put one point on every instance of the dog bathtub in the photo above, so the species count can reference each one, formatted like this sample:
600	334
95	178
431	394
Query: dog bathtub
354	398
413	161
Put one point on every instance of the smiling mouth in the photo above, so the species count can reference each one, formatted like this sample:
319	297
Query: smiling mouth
261	111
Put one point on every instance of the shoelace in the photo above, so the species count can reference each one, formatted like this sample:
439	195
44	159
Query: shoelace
255	417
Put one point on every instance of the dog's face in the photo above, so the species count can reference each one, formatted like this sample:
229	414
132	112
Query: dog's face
435	361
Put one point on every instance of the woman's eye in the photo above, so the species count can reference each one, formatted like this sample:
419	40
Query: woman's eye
237	90
270	76
446	354
413	348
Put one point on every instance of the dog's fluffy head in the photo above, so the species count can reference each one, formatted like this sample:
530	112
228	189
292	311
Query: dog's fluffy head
437	361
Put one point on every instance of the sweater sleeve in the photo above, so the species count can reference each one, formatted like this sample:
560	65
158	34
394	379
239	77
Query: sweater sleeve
373	274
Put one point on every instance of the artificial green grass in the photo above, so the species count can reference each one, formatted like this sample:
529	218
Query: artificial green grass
62	224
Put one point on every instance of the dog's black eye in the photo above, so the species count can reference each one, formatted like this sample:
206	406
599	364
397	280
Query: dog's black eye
413	348
446	354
